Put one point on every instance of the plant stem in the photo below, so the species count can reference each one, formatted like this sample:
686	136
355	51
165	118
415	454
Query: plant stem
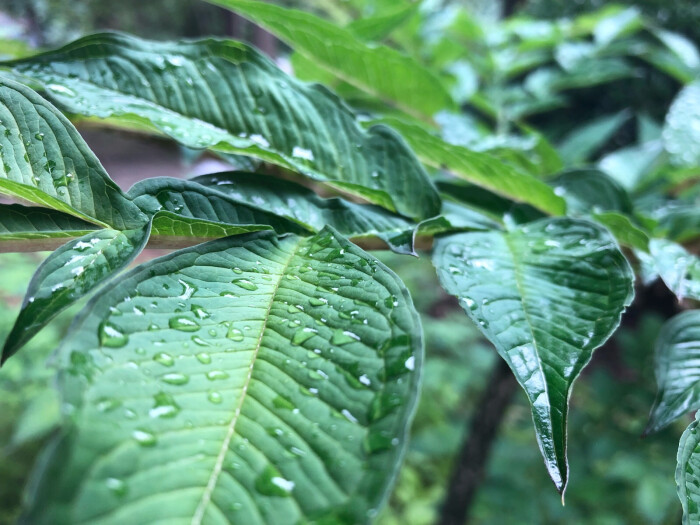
470	465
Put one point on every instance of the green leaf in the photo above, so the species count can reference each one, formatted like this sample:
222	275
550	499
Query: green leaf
546	295
688	473
622	228
70	273
679	269
271	380
168	228
677	370
303	206
586	190
379	70
226	96
23	222
629	165
679	223
190	200
379	26
479	168
46	161
581	144
681	133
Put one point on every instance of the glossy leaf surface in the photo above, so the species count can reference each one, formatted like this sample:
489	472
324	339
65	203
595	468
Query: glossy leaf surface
679	269
688	473
257	379
68	274
546	295
224	95
681	134
46	161
677	368
26	222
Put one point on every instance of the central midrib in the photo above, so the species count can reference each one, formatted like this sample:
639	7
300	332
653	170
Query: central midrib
218	466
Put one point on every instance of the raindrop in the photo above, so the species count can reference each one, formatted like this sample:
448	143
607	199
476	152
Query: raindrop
164	359
176	378
117	486
216	375
215	397
245	284
111	336
144	438
271	483
203	358
184	324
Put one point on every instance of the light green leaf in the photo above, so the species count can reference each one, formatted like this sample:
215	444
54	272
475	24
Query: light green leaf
623	229
379	70
271	380
679	269
70	273
479	168
688	473
46	161
226	96
378	27
681	133
677	370
24	222
168	228
629	165
546	295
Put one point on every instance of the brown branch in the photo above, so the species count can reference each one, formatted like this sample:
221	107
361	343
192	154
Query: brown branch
470	466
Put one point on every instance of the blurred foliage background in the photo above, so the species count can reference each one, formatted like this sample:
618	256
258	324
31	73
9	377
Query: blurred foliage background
618	477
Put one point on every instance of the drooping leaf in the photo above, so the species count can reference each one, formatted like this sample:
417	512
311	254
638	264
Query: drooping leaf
679	269
46	161
546	294
226	96
24	222
681	133
688	473
270	380
68	274
379	70
479	168
677	370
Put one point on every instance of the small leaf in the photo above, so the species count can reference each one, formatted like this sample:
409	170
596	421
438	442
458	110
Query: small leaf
585	141
68	274
688	473
681	133
587	190
44	160
546	294
622	228
268	380
679	269
677	370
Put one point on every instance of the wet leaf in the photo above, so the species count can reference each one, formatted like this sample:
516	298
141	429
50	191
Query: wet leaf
688	473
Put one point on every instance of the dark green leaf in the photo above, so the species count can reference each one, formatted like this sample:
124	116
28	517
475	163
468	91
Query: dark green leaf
677	370
70	273
23	222
546	295
46	161
226	96
688	473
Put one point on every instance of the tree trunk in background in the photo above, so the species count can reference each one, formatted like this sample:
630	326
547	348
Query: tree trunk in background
470	466
265	41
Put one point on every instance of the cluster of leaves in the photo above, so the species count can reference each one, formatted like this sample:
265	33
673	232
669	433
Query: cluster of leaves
269	374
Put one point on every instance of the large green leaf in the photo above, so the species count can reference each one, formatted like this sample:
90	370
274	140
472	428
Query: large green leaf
46	161
681	134
677	370
546	295
679	269
68	274
378	70
224	95
479	168
688	473
24	222
252	379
